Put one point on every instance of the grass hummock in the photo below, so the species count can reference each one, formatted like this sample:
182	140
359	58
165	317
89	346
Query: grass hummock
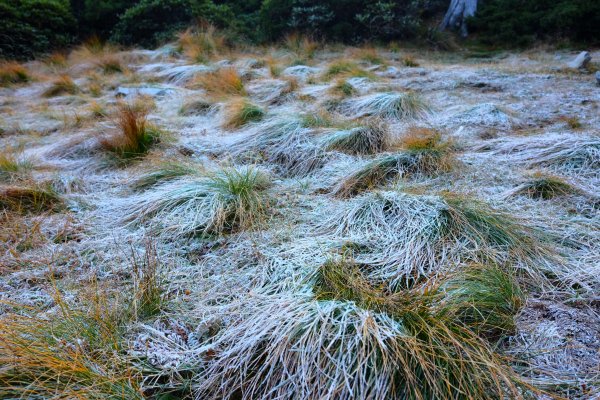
240	112
225	201
35	198
543	186
12	73
134	137
407	344
371	138
61	86
222	83
423	151
408	105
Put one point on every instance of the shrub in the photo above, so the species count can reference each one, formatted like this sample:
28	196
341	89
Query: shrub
521	22
151	22
31	27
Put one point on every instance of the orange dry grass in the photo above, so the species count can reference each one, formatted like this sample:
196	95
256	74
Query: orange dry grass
134	137
419	138
12	72
222	83
70	355
25	199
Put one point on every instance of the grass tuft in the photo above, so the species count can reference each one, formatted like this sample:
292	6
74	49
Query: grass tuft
166	171
148	297
371	138
406	238
423	152
223	202
61	86
195	107
13	168
12	73
135	137
241	111
343	88
355	340
222	83
345	68
543	186
110	64
30	199
71	354
201	44
393	105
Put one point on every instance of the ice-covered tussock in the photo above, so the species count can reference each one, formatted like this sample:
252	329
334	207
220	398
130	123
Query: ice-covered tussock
392	105
274	91
568	154
223	201
283	141
485	115
302	72
175	73
340	345
403	237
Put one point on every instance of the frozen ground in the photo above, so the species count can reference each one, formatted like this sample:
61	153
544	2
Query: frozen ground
508	116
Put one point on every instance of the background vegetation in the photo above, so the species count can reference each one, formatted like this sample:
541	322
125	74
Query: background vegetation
30	27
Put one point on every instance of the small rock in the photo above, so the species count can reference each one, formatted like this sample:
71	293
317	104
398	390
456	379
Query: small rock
581	61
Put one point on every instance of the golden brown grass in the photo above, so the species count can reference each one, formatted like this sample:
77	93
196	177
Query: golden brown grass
70	354
34	198
240	111
368	54
202	44
61	86
224	82
12	72
134	136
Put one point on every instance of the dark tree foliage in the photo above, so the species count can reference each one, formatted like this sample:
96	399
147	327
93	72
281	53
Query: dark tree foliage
28	27
522	22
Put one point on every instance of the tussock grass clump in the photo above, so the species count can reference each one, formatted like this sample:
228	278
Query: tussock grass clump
202	44
343	88
486	298
148	297
109	64
12	72
423	151
373	137
345	68
570	155
409	61
195	107
412	237
355	340
368	54
224	82
135	137
68	355
223	202
545	187
303	46
12	167
61	86
165	171
241	111
407	105
284	142
30	199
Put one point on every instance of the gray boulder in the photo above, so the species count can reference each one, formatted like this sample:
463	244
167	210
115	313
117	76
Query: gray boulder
581	61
